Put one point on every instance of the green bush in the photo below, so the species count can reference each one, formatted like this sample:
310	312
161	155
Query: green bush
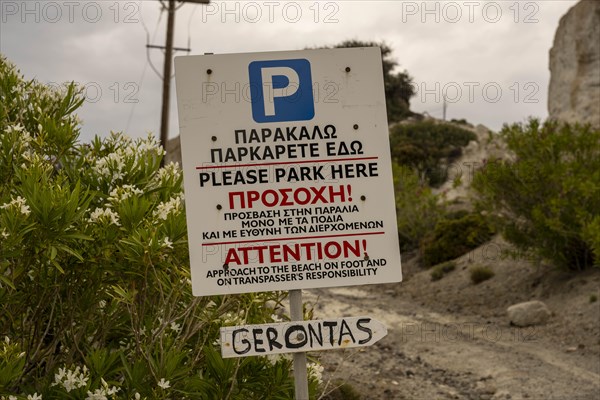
429	147
461	121
439	271
95	293
480	273
546	199
417	208
452	238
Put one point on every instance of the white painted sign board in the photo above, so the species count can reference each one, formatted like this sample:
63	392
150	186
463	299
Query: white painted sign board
287	170
300	336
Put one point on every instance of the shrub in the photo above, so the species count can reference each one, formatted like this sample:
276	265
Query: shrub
95	298
417	208
429	147
461	121
480	273
439	271
452	238
547	198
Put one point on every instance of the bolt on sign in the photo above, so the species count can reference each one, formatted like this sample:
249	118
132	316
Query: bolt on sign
287	170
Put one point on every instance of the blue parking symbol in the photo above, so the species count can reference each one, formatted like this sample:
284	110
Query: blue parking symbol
281	90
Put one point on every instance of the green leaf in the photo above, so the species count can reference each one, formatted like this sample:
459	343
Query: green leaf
7	281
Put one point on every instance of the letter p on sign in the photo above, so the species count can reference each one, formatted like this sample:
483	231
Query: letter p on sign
281	90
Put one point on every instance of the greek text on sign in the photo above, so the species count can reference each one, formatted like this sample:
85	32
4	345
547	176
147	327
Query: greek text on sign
287	170
300	336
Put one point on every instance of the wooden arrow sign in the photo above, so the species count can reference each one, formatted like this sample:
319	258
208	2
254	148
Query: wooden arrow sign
300	336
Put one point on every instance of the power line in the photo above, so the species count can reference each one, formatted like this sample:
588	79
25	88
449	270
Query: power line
148	61
171	10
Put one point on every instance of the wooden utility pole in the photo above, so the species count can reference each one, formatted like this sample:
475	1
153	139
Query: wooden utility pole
164	119
444	107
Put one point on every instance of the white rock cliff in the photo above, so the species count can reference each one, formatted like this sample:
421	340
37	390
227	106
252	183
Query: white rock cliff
574	92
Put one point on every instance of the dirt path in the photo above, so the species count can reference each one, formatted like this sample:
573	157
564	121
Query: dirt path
432	354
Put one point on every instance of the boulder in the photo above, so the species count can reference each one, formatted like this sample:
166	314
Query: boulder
574	91
529	313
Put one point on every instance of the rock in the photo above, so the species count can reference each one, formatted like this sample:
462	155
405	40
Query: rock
486	388
529	313
574	92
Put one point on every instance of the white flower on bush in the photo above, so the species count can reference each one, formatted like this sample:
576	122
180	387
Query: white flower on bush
171	170
121	193
19	204
15	128
34	396
316	371
172	206
151	144
110	166
24	136
123	148
104	214
103	393
117	140
71	379
164	384
230	319
166	243
97	395
275	358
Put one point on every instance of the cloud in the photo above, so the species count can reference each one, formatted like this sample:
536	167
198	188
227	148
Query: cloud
102	45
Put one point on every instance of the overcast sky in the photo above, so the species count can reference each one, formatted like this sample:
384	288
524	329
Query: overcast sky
489	58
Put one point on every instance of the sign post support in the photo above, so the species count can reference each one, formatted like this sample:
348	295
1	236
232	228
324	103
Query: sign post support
300	372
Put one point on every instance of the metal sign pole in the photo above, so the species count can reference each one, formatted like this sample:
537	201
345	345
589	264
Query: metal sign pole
300	372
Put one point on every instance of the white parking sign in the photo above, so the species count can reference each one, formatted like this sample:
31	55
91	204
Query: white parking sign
287	170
